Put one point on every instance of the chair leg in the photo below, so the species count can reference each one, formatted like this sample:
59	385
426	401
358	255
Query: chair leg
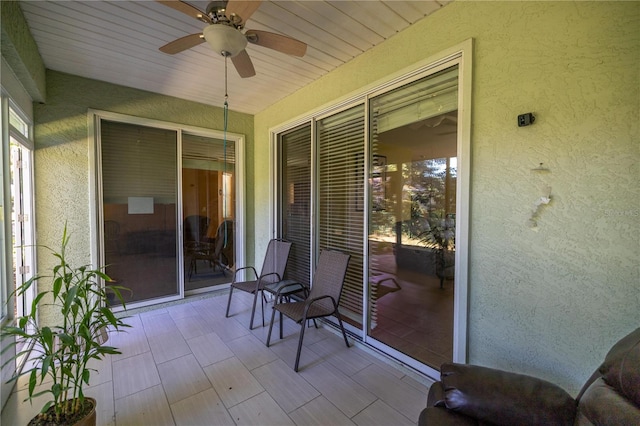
229	301
302	323
191	268
273	315
344	334
253	309
263	300
281	325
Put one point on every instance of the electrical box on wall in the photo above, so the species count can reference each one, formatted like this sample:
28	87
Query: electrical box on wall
526	119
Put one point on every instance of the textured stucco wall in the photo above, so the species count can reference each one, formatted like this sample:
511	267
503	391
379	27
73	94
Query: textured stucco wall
62	152
549	301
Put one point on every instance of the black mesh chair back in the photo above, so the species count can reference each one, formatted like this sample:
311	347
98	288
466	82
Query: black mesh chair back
273	268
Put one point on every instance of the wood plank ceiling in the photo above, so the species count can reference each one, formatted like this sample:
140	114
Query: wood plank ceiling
118	41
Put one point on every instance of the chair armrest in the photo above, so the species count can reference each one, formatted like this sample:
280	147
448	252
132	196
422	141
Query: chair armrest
310	302
505	398
284	288
261	277
242	268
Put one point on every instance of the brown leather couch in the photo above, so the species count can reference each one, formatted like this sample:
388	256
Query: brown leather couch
473	395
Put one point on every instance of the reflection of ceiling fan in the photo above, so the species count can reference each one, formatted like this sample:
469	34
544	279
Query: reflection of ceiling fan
449	119
226	21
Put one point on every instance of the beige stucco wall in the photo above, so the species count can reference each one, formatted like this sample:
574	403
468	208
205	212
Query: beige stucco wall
62	162
549	301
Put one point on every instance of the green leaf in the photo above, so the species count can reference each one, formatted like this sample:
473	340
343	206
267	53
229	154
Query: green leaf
22	322
65	339
47	337
14	331
46	363
56	390
69	298
109	350
33	379
46	407
36	301
57	285
66	371
110	317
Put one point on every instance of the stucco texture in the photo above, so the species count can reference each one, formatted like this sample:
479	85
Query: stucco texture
62	162
549	300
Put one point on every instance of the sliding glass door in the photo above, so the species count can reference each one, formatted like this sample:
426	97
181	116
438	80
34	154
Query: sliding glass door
208	210
413	142
380	178
171	207
140	209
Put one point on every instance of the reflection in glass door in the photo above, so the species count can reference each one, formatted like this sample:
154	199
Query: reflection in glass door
139	190
413	141
208	211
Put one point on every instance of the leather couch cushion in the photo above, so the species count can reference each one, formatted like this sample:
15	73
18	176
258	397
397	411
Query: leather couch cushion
435	416
505	398
621	367
601	405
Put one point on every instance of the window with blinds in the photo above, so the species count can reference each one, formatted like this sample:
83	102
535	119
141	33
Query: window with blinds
340	188
295	200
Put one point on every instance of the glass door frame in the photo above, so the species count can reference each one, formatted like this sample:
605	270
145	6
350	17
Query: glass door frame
23	228
460	55
94	118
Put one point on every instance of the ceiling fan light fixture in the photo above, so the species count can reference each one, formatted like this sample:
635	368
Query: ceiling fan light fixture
225	40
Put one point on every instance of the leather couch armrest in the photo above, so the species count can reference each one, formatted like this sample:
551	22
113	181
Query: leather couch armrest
601	404
505	398
436	395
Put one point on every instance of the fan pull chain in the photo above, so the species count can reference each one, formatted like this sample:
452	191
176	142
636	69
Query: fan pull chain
224	142
226	94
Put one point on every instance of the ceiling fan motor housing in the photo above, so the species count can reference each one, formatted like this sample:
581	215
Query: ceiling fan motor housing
225	39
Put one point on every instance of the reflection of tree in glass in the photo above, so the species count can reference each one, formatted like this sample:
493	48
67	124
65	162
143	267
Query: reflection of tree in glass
430	186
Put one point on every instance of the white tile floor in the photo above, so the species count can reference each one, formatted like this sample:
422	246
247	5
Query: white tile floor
187	364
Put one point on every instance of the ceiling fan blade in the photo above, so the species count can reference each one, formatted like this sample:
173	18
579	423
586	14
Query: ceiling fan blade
243	9
278	42
183	43
243	64
187	9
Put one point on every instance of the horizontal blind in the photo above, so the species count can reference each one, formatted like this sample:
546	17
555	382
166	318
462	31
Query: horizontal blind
340	145
138	161
295	202
205	153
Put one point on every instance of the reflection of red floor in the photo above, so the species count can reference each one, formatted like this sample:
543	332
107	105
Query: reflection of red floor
153	276
417	319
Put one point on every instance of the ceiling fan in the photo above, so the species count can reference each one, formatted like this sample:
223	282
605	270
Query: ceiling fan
224	34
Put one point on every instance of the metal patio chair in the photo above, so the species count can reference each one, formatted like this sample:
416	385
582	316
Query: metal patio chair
275	263
323	299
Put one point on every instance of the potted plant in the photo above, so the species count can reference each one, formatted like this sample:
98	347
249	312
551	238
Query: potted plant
440	235
62	352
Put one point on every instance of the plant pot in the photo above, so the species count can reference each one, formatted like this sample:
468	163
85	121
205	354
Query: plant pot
87	418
